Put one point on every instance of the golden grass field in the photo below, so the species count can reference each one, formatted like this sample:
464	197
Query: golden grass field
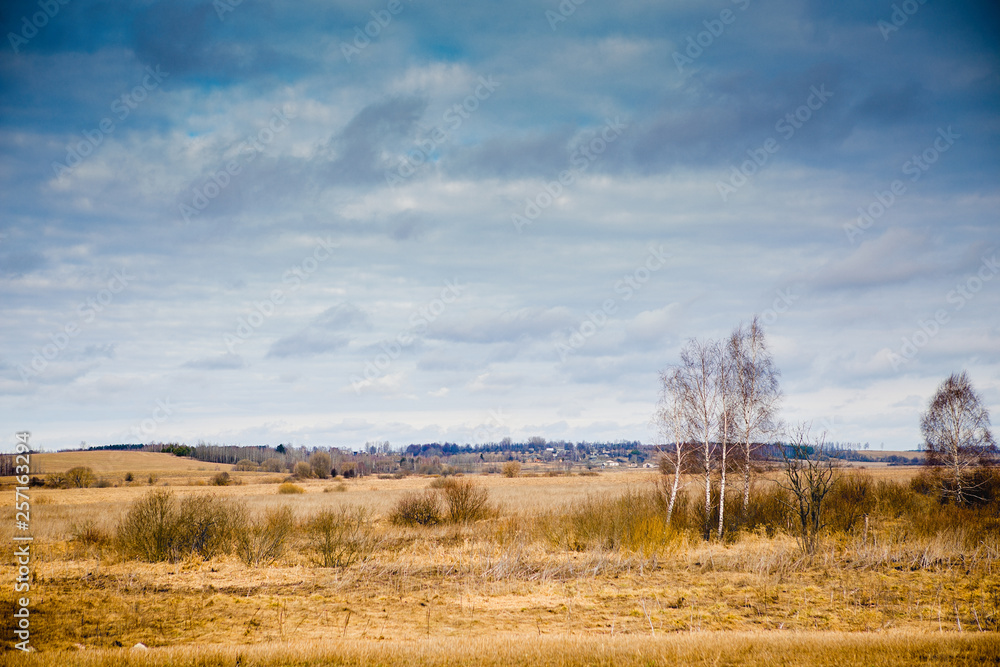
500	591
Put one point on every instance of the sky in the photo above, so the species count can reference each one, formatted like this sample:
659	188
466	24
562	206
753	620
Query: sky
330	223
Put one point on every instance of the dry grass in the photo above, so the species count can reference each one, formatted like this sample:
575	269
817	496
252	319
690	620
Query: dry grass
104	461
734	649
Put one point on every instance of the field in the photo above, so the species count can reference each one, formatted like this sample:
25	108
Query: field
556	573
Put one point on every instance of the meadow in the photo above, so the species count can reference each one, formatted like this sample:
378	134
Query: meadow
554	567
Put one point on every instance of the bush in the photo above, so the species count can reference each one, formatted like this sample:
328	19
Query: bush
416	508
288	487
80	477
206	526
633	521
511	469
222	479
262	540
149	530
302	470
321	464
89	536
156	529
769	510
465	501
339	538
852	498
272	465
129	477
246	465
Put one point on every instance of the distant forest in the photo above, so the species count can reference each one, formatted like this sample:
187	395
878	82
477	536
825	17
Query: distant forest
436	457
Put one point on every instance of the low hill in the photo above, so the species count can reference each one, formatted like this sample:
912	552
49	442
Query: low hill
104	461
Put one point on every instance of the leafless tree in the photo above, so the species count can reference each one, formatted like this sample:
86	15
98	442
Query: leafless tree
698	369
957	437
809	475
725	377
672	425
756	393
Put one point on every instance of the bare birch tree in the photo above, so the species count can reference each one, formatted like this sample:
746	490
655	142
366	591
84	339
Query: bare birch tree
699	367
957	437
757	394
727	406
672	424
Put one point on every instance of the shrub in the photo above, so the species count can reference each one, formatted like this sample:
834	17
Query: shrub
511	468
262	540
129	477
156	529
636	520
102	483
152	479
89	535
465	501
288	487
222	479
148	530
272	465
321	464
851	499
206	526
769	510
339	538
349	470
246	465
302	470
80	477
416	508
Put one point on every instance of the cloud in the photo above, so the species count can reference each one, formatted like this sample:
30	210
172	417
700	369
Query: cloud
228	361
482	326
330	331
894	257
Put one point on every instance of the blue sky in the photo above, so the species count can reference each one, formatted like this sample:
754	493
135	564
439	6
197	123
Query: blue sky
325	223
